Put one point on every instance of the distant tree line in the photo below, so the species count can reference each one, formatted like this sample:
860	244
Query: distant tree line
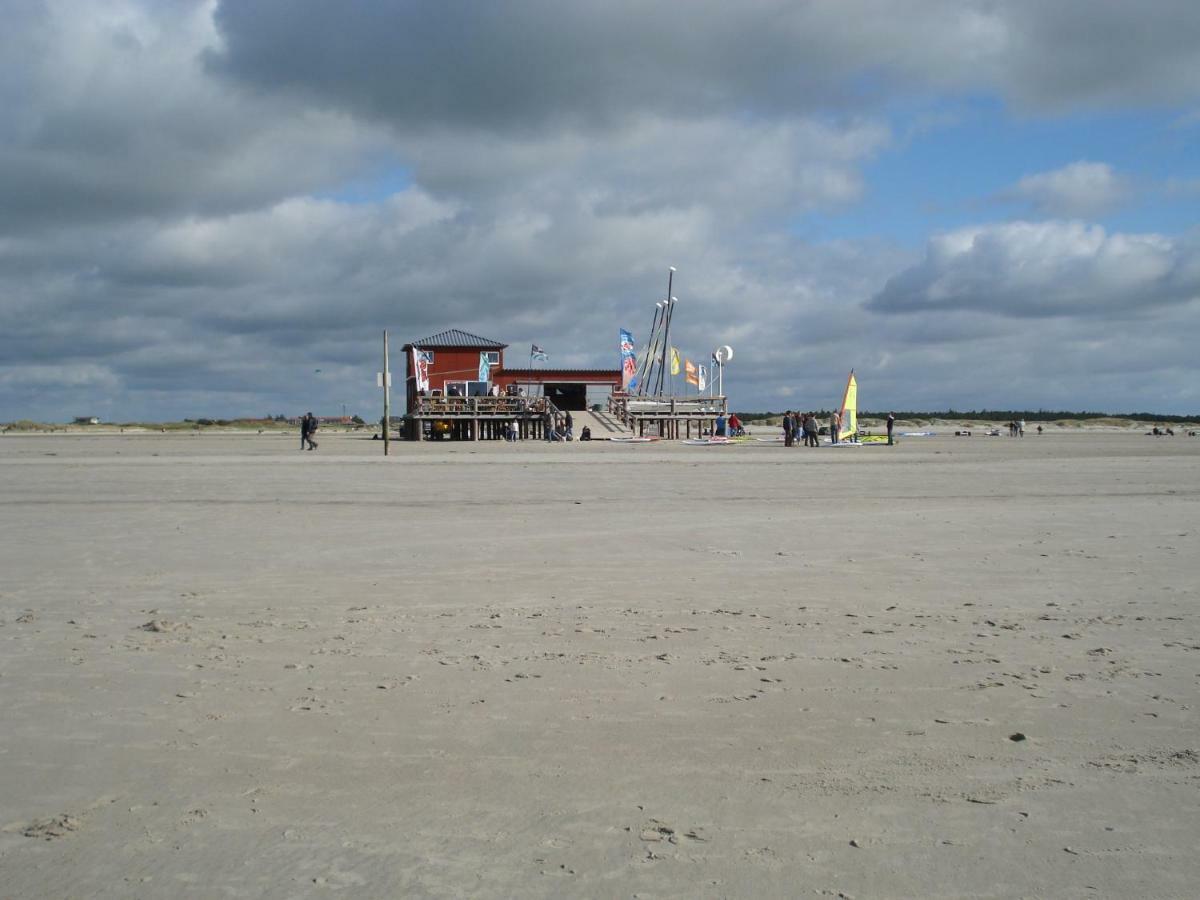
1000	415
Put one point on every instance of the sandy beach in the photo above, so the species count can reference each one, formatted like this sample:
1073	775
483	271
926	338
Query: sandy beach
961	667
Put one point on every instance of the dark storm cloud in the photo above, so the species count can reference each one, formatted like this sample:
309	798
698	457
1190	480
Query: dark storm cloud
587	63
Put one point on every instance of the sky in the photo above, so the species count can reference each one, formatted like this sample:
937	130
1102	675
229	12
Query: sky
214	209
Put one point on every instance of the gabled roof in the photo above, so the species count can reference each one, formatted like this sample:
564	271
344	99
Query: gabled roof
456	338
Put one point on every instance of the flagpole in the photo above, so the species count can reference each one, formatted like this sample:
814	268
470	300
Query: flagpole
655	348
650	344
667	332
387	405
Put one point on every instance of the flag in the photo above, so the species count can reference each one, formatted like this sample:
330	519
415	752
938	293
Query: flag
420	369
674	361
701	377
691	376
485	367
536	352
628	361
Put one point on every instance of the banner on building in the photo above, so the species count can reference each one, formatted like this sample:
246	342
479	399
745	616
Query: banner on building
628	361
421	369
485	366
674	361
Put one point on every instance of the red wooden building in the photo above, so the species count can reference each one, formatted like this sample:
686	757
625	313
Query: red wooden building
454	366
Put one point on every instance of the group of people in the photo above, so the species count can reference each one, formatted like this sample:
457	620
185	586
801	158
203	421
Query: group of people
804	427
1016	428
560	428
728	428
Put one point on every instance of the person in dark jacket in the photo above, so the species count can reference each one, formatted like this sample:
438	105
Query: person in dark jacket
308	427
811	431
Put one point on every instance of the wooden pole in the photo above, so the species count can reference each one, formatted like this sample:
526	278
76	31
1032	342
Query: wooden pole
387	398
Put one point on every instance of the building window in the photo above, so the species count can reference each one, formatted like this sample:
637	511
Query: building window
493	357
428	354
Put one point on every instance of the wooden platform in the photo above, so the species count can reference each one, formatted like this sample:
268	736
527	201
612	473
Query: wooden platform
480	418
667	416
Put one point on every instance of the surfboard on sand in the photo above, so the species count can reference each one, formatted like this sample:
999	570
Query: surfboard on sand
632	440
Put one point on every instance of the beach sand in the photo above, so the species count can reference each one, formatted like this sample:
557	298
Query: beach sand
232	669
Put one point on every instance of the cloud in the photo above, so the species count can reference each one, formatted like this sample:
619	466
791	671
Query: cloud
203	202
543	64
1054	268
1082	189
113	117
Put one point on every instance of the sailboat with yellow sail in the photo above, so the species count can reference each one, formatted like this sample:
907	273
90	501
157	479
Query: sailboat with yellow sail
849	420
847	435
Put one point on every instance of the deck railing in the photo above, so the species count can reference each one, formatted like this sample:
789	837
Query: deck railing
629	408
477	407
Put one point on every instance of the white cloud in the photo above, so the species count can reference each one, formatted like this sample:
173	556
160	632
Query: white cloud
1036	269
1082	189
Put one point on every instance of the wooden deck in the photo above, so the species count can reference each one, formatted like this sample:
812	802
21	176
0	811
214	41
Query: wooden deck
667	416
480	418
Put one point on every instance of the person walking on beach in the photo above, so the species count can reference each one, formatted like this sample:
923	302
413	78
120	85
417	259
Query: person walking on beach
569	426
835	425
789	432
308	427
891	424
811	431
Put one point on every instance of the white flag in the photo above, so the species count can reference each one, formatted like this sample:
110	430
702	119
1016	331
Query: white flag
420	369
701	378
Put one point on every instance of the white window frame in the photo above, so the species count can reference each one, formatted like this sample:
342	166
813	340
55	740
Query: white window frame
493	357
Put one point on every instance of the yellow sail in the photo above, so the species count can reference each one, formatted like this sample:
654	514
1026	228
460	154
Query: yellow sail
849	410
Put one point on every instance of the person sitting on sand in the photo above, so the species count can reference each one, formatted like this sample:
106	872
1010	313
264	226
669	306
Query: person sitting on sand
585	433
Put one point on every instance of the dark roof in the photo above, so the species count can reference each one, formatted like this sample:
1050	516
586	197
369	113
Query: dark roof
456	338
509	370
